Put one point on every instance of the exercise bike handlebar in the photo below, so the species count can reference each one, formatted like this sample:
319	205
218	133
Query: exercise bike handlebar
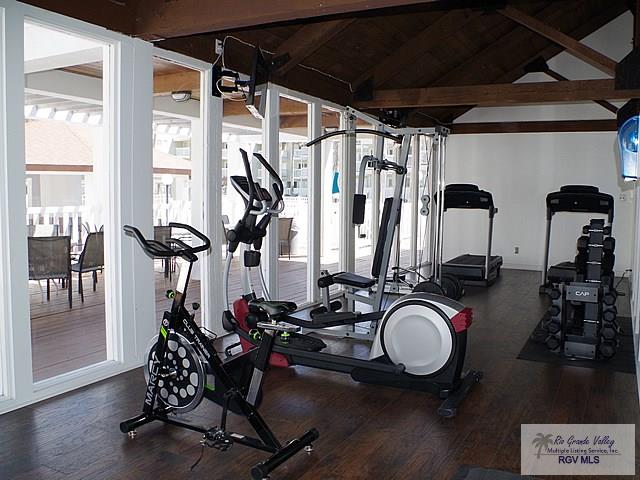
159	249
370	131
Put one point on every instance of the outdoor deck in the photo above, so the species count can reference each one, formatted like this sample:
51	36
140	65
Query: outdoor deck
65	339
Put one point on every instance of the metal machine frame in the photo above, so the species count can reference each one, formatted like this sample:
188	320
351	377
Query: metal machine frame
405	137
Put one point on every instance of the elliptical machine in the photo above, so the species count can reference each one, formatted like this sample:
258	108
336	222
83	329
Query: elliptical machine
182	367
420	343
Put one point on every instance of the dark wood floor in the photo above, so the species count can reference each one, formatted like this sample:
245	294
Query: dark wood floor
65	339
367	432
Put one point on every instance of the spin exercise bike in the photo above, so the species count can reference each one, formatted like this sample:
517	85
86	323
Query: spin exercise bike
420	342
182	367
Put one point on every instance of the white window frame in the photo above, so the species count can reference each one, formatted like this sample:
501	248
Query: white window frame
128	108
270	148
206	178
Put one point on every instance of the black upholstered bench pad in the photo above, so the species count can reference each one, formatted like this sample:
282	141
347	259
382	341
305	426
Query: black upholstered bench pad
354	280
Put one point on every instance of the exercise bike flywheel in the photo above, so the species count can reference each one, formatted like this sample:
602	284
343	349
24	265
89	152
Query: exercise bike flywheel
182	382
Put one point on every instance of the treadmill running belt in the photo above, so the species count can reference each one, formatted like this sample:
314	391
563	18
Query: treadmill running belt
470	268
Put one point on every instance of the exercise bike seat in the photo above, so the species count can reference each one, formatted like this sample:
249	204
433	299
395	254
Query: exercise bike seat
272	308
354	280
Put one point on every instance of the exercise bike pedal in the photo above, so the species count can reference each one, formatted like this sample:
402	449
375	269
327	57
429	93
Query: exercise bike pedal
218	439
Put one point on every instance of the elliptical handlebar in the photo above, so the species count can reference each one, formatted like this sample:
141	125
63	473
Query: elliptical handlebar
278	186
255	194
159	249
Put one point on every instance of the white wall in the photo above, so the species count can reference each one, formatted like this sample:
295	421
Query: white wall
520	169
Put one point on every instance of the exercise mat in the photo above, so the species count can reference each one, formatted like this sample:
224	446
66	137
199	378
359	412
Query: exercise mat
536	350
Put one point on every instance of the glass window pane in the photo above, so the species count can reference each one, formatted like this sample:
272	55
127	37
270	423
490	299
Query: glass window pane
66	197
292	223
176	148
246	134
330	198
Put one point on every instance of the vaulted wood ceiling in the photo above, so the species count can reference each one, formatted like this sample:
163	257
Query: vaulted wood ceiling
354	53
417	49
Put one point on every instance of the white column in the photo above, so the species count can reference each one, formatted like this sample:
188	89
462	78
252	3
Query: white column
197	181
314	225
14	296
415	201
347	183
211	265
271	151
129	283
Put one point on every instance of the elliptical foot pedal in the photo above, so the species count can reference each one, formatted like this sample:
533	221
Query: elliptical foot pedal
334	307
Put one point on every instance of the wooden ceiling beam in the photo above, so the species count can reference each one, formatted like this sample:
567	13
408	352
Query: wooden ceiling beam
175	82
573	46
118	16
517	36
308	40
288	107
551	126
500	94
329	120
177	18
414	48
561	78
466	72
239	57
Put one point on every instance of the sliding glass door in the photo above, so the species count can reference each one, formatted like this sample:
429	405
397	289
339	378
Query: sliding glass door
66	182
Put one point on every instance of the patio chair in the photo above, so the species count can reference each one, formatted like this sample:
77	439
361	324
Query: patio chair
50	259
284	233
162	234
91	260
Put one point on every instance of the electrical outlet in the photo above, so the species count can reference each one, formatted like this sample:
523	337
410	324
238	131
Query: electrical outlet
218	46
516	250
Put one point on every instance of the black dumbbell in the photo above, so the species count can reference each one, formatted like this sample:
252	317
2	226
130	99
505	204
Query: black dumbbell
552	342
609	314
607	280
554	325
609	244
608	261
607	230
607	349
554	310
608	332
583	243
555	294
610	297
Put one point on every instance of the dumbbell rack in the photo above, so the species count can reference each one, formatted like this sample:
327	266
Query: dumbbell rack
581	321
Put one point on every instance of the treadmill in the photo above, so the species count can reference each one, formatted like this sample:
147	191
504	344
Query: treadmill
572	199
480	270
